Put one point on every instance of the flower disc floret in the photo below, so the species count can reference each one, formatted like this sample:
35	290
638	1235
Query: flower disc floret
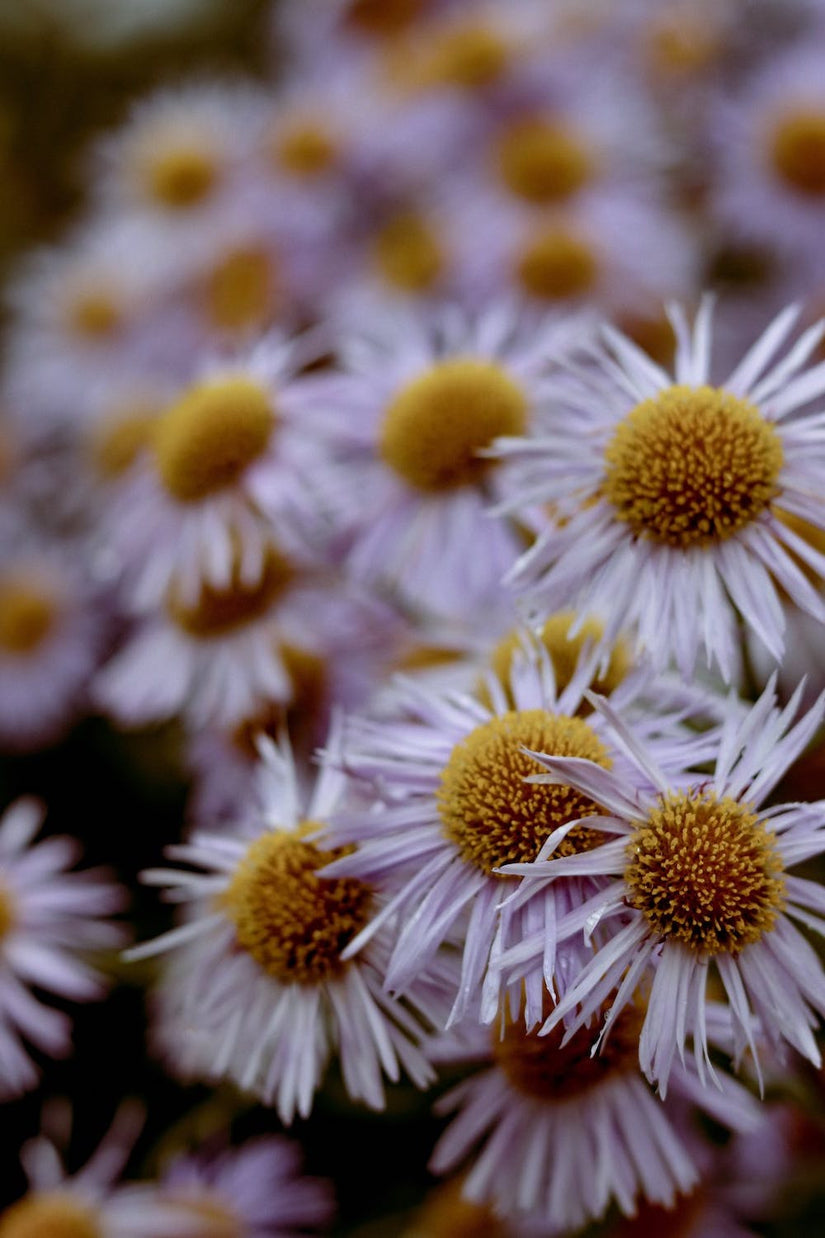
242	288
27	615
407	253
437	424
556	264
487	809
691	466
293	922
52	1215
542	161
180	178
219	611
706	872
470	57
304	149
210	436
94	315
7	916
544	1069
797	151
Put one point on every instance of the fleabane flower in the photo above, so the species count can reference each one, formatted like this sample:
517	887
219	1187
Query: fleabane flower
49	918
416	400
699	876
448	773
555	1134
226	471
90	1203
48	634
256	1190
669	494
260	992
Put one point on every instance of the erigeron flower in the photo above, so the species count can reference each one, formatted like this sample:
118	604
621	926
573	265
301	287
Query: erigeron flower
90	1203
48	638
242	650
229	468
256	1190
770	155
181	163
49	918
416	400
700	874
447	772
259	991
563	1133
670	494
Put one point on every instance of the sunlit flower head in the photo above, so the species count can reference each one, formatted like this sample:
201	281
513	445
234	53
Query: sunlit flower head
415	402
449	773
258	989
49	919
556	1135
698	874
670	494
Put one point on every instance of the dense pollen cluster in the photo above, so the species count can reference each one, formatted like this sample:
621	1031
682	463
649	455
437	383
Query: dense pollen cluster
551	1067
691	466
293	922
705	871
435	426
487	809
214	432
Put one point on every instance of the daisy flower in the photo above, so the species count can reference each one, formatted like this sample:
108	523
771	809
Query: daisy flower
89	1203
236	654
770	154
48	637
260	991
48	918
256	1190
228	468
699	876
564	1133
181	164
448	770
670	492
416	400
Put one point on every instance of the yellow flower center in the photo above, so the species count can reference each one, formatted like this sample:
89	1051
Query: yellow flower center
691	466
219	611
797	151
50	1215
705	872
293	922
27	615
680	44
541	161
382	17
119	440
7	914
94	314
304	149
565	652
241	289
211	435
543	1069
556	264
470	57
309	677
436	425
180	177
408	254
654	335
487	809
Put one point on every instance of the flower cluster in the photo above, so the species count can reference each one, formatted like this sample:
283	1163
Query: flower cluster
432	441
